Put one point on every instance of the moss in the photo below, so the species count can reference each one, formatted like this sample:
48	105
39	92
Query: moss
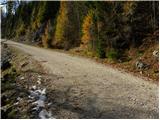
140	53
12	114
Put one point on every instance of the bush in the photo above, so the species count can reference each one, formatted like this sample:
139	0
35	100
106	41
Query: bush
101	49
113	55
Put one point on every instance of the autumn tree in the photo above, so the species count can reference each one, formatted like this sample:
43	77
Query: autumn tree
67	27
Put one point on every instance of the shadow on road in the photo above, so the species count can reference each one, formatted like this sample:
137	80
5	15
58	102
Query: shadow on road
78	106
74	104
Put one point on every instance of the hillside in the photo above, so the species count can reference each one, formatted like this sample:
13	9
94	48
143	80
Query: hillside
128	59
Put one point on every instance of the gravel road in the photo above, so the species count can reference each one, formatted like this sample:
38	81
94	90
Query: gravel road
101	91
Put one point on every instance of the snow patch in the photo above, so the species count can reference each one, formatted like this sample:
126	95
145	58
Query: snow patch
45	115
38	98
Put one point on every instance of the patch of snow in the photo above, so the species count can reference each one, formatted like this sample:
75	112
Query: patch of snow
39	76
34	87
39	82
22	78
35	108
38	98
30	101
45	115
43	92
16	103
39	103
19	99
31	97
49	104
42	97
38	91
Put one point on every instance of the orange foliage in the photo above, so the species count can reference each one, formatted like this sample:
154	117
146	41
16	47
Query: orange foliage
46	36
87	28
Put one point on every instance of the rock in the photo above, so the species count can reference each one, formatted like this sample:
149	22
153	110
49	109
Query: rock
156	53
5	64
24	64
141	65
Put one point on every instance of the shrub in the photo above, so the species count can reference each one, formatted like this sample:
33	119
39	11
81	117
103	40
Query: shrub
113	55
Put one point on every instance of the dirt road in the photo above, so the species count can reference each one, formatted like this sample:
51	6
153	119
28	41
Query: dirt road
95	90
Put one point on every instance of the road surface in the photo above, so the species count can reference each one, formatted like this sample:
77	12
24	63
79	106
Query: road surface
103	92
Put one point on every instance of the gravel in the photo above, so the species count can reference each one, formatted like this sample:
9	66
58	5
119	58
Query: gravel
93	90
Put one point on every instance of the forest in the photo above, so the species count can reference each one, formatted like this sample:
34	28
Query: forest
99	27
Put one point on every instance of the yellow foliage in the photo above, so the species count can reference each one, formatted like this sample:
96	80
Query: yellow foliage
67	33
34	25
46	36
21	30
87	28
61	22
128	7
